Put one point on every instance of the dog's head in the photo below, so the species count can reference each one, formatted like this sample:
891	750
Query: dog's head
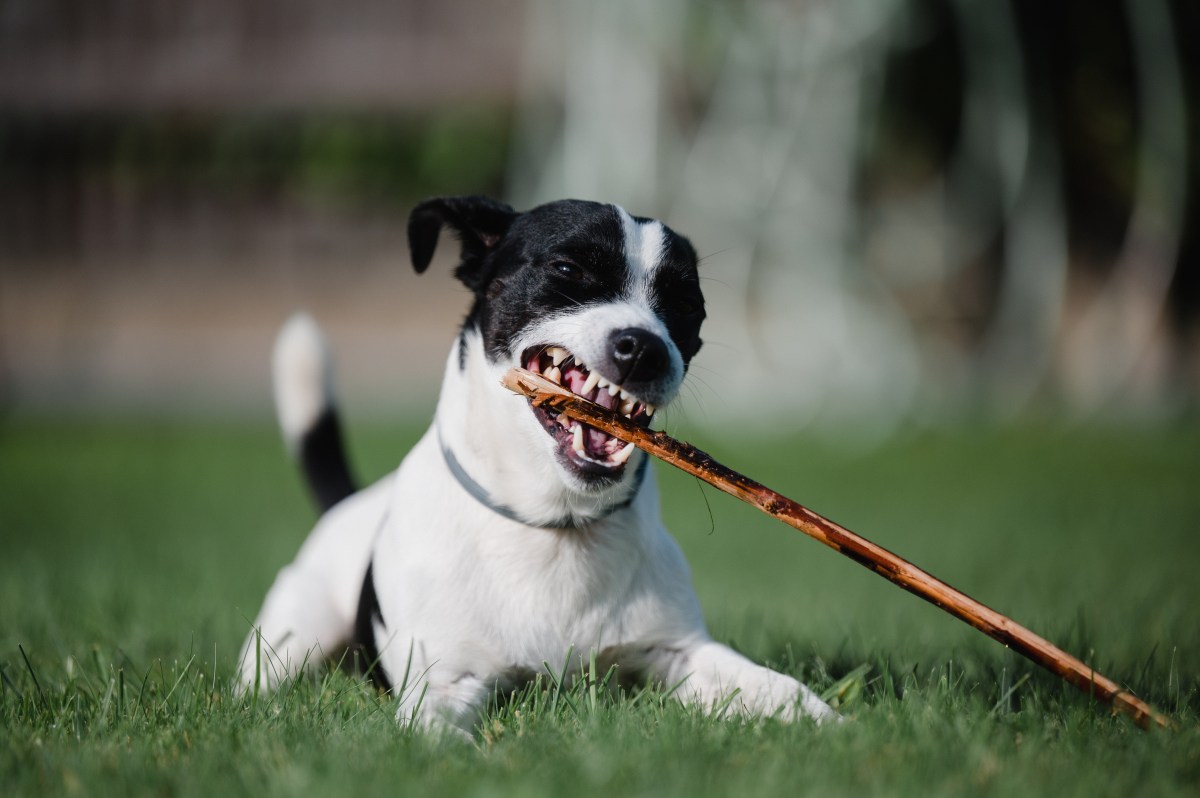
606	304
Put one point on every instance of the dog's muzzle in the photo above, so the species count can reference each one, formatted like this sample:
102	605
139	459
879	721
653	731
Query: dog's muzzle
640	358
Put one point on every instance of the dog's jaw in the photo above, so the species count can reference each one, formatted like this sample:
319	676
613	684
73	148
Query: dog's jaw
581	447
582	335
496	437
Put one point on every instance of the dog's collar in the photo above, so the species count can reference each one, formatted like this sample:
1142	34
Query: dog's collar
481	495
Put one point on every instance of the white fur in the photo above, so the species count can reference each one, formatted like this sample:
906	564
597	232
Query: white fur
644	242
303	376
469	599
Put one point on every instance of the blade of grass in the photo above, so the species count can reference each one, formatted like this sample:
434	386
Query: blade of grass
37	686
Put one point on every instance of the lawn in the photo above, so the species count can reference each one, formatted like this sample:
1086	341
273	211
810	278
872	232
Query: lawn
132	556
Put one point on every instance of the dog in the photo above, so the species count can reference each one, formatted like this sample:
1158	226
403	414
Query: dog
509	536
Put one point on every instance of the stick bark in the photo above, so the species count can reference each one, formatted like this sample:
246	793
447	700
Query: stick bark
547	394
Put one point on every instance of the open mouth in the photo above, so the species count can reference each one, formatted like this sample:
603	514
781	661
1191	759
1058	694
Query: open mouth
589	450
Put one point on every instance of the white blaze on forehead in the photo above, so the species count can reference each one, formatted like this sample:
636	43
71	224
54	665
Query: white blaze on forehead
644	242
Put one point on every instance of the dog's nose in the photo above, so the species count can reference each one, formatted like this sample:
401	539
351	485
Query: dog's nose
639	355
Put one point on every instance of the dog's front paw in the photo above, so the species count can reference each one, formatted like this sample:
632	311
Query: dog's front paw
809	705
720	679
444	704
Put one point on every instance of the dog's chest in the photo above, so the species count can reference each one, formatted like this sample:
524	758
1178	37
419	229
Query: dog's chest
559	589
519	596
462	586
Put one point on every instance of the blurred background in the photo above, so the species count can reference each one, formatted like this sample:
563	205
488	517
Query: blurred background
908	210
950	255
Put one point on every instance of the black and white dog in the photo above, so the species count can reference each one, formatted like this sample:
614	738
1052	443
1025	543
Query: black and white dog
509	536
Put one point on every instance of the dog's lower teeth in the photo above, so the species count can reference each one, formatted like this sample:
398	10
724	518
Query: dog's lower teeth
623	455
560	361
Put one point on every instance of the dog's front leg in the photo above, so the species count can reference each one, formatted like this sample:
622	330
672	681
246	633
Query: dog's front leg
717	677
298	626
444	701
447	706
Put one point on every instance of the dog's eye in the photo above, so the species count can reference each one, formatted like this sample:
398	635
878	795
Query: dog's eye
688	305
567	269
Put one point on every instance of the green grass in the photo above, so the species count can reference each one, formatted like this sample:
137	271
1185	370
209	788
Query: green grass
132	557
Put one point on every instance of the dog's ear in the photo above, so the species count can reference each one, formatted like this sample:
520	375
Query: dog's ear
480	223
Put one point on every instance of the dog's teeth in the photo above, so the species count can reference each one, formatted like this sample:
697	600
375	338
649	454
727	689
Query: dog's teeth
557	355
623	455
603	383
591	382
624	395
554	373
613	389
627	406
649	409
577	441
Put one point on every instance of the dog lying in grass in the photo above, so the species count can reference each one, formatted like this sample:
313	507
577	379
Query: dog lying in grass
509	535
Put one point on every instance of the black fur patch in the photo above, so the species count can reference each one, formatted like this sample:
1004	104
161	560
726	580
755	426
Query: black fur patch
677	296
555	257
570	253
323	460
364	632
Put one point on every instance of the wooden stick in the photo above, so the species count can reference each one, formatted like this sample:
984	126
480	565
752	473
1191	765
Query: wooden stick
547	394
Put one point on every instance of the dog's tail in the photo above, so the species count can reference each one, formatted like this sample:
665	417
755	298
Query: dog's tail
303	371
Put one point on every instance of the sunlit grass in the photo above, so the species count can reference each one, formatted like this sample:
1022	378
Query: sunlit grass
134	555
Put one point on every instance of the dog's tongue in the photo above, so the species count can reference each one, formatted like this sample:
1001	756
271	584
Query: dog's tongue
605	399
595	440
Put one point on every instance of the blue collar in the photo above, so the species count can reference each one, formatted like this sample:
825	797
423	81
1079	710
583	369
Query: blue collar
480	495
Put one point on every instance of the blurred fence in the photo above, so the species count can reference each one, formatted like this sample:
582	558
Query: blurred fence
908	209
